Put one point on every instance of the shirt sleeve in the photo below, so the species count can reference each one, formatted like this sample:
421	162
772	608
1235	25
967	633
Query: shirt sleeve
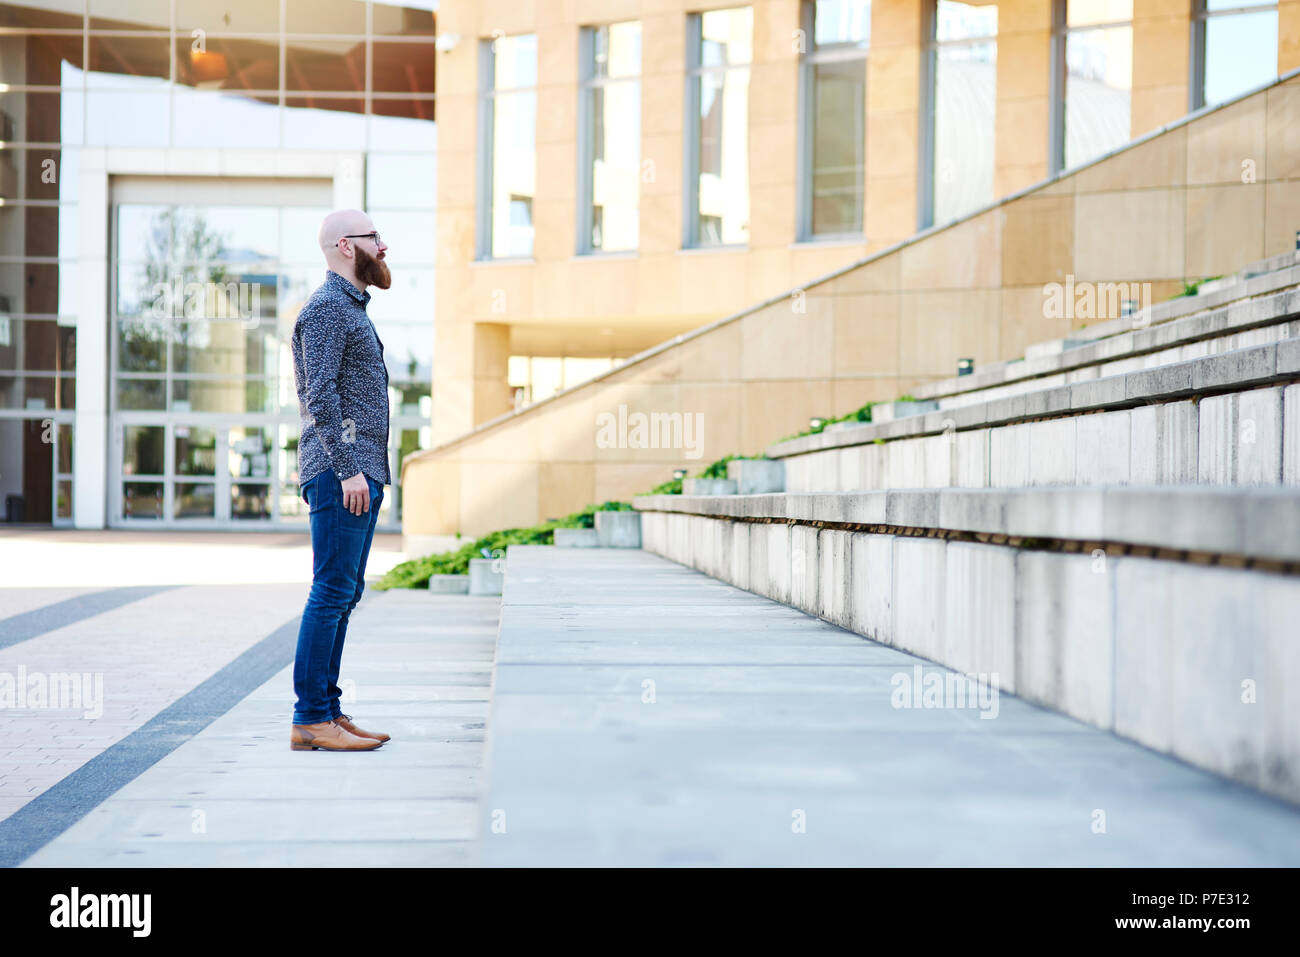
324	337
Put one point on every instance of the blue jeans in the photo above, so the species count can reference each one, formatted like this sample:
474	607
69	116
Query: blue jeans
340	543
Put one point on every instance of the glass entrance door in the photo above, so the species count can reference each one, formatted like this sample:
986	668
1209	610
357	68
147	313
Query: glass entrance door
181	471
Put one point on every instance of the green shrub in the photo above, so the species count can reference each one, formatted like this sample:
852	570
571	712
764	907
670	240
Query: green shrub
416	573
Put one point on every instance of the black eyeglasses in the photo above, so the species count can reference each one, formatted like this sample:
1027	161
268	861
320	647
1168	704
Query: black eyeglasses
372	236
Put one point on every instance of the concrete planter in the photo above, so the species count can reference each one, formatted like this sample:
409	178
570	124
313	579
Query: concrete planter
702	486
576	538
486	576
449	584
757	476
618	529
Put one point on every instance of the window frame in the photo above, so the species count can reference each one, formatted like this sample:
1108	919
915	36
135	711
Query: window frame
930	46
809	60
1061	31
486	145
1201	15
587	83
695	70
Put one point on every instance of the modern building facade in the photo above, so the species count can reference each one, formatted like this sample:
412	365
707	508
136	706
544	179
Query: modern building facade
616	172
904	181
600	177
164	167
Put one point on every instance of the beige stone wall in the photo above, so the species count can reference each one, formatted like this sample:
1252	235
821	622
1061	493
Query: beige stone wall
1172	208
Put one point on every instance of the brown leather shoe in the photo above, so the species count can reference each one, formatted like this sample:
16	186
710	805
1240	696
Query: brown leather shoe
345	722
328	736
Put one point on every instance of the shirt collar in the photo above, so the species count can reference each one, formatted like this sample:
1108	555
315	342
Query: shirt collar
360	295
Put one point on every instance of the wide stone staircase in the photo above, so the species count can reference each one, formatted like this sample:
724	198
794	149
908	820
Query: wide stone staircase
1109	527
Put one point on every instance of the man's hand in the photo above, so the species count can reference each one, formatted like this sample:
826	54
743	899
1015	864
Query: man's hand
356	494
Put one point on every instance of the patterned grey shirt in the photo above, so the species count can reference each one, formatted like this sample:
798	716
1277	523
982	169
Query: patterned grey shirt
338	366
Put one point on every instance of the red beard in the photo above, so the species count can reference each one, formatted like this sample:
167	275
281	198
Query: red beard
372	271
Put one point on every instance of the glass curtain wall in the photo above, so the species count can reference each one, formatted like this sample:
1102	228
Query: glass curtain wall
294	76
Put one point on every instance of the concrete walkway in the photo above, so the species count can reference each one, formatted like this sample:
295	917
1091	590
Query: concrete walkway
645	714
234	794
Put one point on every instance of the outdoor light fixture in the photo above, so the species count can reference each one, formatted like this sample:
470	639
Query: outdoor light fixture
679	473
965	366
446	42
816	422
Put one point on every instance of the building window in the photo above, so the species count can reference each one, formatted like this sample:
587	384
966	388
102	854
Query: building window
609	118
833	116
1092	79
1234	49
507	146
960	101
720	48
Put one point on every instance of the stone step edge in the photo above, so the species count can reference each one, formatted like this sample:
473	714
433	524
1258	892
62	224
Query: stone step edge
1137	326
1253	524
1236	371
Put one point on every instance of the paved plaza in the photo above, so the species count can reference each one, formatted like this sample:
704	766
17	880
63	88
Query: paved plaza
614	708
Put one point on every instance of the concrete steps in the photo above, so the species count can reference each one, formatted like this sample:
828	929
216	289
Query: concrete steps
1164	615
1111	526
1209	394
644	714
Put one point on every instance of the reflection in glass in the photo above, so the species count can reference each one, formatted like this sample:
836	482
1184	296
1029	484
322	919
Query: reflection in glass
1240	54
63	502
722	127
403	125
143	449
324	16
142	500
118	57
222	395
139	394
514	62
614	130
326	66
201	119
403	67
250	500
66	433
838	146
514	130
228	17
227	64
142	345
250	452
317	120
1098	86
194	500
1079	13
398	181
965	87
196	450
965	21
842	23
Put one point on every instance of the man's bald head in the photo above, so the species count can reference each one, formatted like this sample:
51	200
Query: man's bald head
350	252
340	223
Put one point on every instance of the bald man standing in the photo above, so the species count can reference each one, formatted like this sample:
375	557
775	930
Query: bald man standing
338	365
